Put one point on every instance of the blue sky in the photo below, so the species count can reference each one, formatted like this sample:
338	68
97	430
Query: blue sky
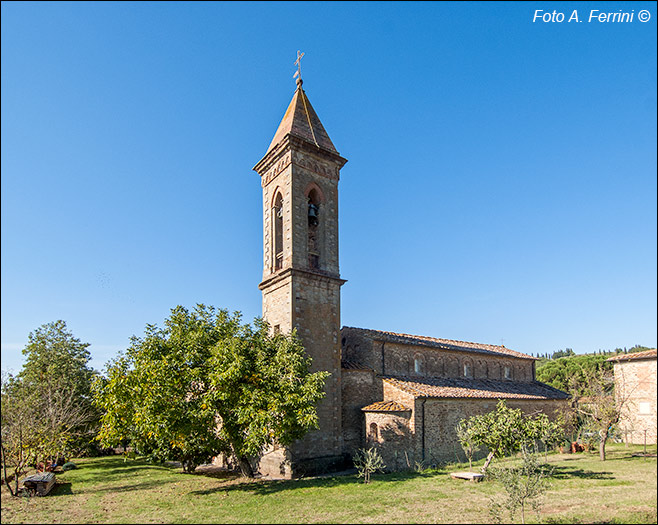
501	183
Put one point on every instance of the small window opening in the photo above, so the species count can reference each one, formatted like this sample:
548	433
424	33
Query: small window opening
507	372
468	370
277	329
418	365
373	435
277	213
313	244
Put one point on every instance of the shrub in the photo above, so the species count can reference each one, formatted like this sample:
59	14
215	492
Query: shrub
524	485
368	462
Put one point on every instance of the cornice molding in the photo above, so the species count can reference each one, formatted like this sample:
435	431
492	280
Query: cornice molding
290	272
292	143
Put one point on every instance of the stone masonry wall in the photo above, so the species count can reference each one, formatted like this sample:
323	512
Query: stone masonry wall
443	415
397	359
302	295
391	437
636	380
359	388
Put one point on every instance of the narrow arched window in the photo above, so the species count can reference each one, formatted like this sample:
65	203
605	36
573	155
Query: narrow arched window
313	229
468	368
277	220
507	372
418	365
373	435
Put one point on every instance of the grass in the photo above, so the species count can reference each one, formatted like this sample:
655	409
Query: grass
109	490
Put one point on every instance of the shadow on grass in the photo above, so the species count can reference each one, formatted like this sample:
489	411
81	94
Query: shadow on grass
267	487
61	489
226	475
635	517
108	469
570	472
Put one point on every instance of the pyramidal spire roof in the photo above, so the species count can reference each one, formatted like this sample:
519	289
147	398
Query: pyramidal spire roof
301	121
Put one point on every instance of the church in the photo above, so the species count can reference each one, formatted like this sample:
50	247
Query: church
401	393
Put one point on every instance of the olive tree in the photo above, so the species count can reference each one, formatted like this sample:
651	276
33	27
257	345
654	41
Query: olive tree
506	430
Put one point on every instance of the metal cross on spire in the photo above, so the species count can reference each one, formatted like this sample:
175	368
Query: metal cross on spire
298	63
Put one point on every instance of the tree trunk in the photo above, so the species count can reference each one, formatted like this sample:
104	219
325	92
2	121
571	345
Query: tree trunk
603	434
486	463
4	468
245	467
189	466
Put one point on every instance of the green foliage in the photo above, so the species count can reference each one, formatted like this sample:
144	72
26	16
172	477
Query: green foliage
69	466
466	436
47	411
636	348
207	384
563	353
54	354
367	462
565	372
524	485
595	399
506	430
589	379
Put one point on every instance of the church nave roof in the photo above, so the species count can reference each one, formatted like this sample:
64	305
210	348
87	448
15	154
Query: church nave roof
474	388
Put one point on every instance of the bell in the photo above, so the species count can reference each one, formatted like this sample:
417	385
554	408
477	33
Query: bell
312	214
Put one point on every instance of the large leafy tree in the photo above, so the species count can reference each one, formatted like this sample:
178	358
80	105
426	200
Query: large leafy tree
47	410
590	381
567	372
205	384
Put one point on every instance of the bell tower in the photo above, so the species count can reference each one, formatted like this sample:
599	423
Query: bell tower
301	280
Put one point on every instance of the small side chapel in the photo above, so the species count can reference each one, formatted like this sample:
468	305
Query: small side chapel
401	393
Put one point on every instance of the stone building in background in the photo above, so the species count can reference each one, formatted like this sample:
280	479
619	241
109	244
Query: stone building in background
635	383
402	393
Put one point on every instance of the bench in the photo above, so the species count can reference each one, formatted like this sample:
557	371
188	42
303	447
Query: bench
471	476
39	484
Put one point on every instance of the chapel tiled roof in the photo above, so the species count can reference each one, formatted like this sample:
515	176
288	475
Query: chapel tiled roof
474	388
647	354
446	344
386	406
353	365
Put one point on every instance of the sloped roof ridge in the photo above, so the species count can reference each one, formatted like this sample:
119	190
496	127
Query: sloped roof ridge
451	344
646	354
301	120
473	388
386	406
348	364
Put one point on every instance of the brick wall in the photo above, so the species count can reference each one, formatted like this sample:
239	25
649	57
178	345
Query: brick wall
397	359
304	294
636	381
443	415
389	433
359	388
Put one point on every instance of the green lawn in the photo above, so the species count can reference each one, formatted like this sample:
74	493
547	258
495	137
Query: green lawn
109	490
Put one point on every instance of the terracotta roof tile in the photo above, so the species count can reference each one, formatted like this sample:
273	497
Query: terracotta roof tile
353	365
647	354
446	344
386	406
474	388
301	121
